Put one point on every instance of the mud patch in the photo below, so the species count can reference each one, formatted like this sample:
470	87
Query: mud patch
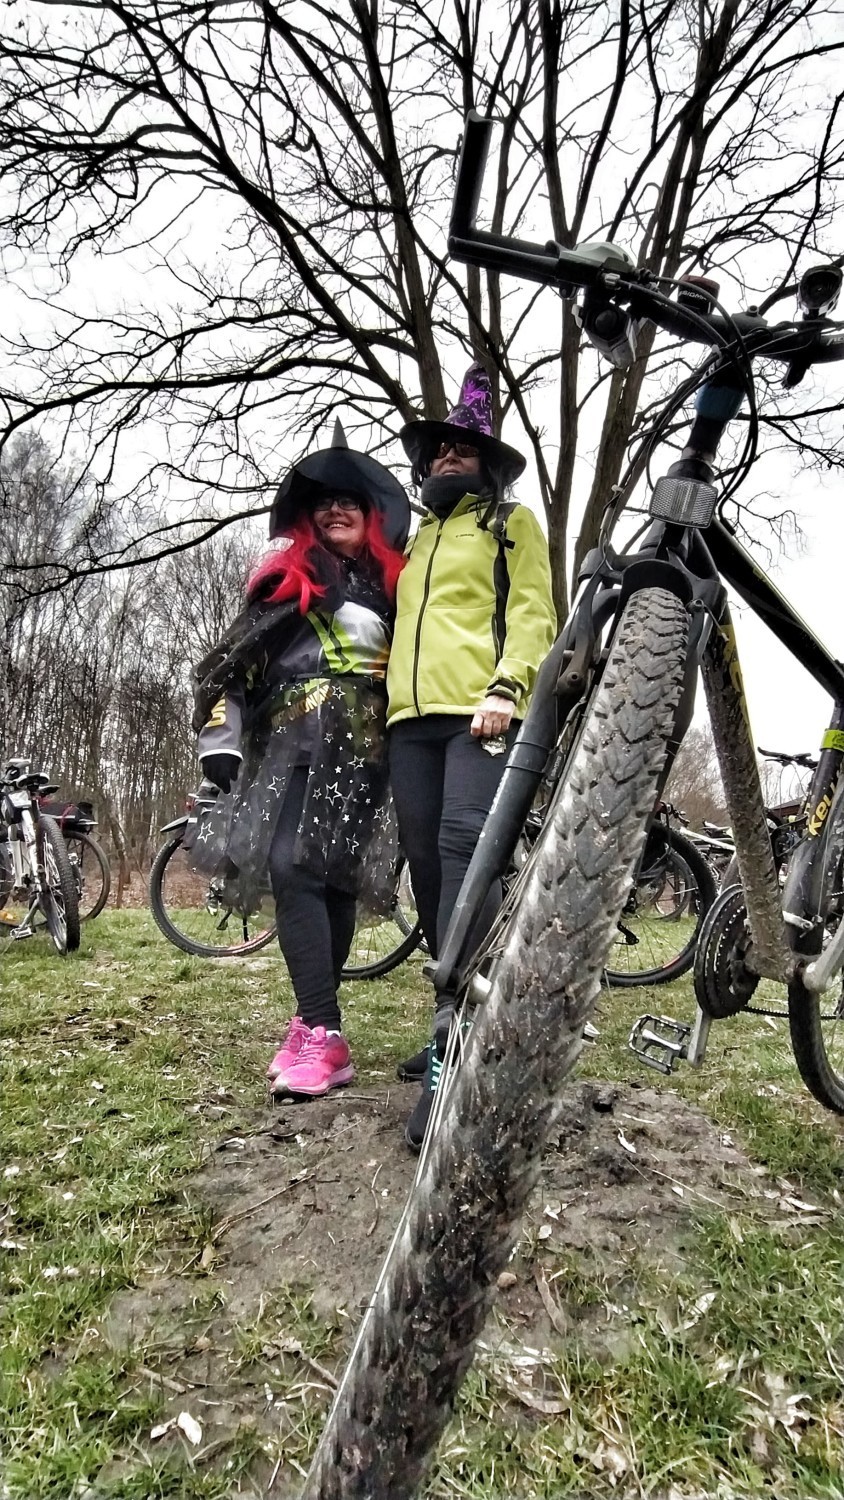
247	1333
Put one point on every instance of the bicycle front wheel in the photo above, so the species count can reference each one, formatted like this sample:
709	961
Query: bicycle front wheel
58	901
193	913
658	930
93	875
484	1148
816	1022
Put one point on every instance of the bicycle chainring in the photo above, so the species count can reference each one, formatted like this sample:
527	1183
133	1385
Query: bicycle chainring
724	979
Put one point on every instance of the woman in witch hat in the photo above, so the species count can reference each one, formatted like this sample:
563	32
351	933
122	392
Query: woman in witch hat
290	709
474	618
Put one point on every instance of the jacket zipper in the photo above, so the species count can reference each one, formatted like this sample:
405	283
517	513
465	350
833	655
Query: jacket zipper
425	593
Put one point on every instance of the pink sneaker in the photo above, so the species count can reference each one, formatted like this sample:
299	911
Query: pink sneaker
323	1062
289	1050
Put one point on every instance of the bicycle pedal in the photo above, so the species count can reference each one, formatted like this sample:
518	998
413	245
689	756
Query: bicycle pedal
19	933
660	1041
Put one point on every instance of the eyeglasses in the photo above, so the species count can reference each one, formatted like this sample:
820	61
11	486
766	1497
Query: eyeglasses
463	450
343	502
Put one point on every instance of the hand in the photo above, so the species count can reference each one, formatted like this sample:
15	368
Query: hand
492	718
223	770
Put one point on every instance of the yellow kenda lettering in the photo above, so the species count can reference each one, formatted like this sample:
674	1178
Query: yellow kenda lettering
818	817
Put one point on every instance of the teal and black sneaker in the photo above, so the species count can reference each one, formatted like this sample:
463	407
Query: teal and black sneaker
414	1130
415	1068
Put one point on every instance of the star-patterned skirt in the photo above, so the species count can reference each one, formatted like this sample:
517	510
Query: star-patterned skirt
347	831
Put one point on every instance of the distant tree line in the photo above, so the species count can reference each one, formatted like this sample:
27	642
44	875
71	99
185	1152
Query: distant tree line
95	674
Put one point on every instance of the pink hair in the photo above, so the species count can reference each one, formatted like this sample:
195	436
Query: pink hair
294	572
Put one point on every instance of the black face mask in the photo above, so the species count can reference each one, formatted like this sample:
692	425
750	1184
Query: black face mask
441	492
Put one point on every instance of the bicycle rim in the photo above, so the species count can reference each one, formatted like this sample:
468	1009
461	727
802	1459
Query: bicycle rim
381	943
658	931
194	918
816	1022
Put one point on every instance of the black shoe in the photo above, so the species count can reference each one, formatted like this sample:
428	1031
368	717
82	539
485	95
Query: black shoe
414	1070
414	1130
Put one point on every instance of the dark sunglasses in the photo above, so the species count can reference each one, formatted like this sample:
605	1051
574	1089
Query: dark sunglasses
463	450
343	502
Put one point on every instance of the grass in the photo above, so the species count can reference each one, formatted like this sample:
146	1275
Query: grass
122	1066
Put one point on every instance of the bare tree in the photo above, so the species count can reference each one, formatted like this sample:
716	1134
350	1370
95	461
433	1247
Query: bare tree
694	786
261	191
96	676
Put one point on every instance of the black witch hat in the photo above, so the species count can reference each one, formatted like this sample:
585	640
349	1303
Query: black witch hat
341	469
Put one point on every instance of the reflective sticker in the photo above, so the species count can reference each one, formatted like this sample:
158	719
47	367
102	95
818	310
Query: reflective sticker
833	740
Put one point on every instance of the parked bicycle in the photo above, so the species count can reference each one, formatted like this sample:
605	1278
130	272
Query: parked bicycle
611	704
91	868
658	929
206	917
37	884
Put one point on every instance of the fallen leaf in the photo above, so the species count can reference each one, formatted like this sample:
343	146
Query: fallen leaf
700	1306
608	1459
545	1231
190	1427
626	1145
806	1208
161	1430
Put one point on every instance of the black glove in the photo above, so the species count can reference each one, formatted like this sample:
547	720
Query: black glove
221	769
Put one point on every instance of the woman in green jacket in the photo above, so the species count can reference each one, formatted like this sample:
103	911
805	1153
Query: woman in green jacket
474	620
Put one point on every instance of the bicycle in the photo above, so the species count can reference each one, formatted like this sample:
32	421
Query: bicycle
660	923
37	883
205	917
91	868
610	707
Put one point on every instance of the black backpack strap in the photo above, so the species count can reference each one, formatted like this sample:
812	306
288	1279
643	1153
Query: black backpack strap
494	520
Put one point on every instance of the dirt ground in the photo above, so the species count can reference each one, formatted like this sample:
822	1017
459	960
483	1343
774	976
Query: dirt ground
310	1201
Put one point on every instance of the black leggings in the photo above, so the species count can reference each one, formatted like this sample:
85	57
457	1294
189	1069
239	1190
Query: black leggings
443	784
316	922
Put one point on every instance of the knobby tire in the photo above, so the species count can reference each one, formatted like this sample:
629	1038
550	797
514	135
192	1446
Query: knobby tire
814	1019
479	1165
59	901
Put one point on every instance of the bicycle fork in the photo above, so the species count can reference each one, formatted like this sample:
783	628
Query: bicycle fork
29	838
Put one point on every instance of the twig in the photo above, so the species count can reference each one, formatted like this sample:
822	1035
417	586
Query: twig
374	1224
549	1301
244	1213
165	1380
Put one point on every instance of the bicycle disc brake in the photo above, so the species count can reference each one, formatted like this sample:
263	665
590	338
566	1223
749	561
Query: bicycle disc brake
723	977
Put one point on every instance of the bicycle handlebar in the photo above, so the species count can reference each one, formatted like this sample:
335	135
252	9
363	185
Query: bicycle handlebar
802	758
817	340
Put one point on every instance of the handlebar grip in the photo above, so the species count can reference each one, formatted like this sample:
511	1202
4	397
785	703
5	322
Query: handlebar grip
470	173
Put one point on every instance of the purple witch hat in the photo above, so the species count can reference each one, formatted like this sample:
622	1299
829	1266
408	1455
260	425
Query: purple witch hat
470	421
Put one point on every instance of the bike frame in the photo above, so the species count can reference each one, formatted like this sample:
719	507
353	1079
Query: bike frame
691	563
28	839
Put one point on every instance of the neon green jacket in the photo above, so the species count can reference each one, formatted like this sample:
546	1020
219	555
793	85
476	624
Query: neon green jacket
474	613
